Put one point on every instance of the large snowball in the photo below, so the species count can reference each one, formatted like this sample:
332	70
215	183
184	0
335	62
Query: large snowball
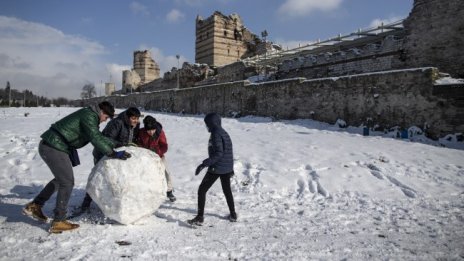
127	190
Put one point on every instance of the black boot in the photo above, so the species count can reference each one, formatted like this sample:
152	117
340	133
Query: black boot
197	221
233	217
86	203
171	196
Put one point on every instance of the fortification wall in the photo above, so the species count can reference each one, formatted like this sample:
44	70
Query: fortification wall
435	36
396	98
221	39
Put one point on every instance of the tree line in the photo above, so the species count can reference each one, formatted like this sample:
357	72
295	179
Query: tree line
10	97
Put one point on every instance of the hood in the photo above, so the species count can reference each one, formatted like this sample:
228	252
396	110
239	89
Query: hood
212	121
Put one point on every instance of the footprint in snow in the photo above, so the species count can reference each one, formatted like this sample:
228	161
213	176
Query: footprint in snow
311	179
377	172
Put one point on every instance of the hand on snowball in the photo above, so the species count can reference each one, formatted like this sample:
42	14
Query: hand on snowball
122	155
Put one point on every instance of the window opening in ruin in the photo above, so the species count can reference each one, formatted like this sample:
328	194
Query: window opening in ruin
225	33
237	35
228	52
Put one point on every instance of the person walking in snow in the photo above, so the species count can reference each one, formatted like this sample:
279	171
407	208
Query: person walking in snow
58	150
152	137
220	164
122	131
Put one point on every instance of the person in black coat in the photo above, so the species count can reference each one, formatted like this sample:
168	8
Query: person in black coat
220	164
123	131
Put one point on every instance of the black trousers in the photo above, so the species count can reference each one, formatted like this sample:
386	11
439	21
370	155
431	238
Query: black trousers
207	182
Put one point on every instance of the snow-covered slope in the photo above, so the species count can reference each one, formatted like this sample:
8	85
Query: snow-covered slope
303	190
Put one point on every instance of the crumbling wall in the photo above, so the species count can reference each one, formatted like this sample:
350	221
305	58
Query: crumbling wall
435	36
189	75
395	98
382	55
222	39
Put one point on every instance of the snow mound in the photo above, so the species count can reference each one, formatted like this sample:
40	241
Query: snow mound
127	190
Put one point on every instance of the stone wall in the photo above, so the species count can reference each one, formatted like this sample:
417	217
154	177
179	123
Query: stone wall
109	88
130	80
145	66
396	98
189	75
435	36
145	70
359	56
222	39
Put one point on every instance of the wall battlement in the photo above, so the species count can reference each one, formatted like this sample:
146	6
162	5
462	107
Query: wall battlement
402	98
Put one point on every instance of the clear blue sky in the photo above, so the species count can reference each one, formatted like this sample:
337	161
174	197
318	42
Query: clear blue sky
55	47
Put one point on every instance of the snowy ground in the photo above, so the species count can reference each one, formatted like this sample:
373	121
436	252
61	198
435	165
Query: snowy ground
303	190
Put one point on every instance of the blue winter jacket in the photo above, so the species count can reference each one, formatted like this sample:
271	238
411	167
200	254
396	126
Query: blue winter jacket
221	156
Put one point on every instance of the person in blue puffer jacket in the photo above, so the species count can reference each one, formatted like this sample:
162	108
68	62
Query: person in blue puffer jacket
220	164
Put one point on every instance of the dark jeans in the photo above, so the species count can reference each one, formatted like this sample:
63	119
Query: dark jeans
207	182
60	165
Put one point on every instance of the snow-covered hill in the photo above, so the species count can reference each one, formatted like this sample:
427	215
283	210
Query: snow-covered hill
303	190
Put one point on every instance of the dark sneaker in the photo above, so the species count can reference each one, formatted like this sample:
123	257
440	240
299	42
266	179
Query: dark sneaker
60	226
84	208
171	196
233	217
86	203
34	211
197	221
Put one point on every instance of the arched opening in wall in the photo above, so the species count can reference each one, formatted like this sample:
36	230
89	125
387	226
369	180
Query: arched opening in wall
225	33
238	53
228	51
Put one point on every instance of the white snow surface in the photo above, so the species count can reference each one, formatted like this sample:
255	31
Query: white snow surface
127	190
449	80
303	190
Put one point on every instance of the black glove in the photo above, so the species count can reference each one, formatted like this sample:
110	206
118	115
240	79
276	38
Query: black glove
122	155
199	168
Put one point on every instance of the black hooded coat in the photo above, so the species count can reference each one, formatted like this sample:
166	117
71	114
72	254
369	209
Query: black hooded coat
220	152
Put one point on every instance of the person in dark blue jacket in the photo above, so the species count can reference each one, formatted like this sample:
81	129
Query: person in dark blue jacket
220	164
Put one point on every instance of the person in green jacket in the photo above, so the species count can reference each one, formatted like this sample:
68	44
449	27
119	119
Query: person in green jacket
58	150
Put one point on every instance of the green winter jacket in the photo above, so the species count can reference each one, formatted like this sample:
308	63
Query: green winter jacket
78	128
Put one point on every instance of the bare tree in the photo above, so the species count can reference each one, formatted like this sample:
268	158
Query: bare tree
88	91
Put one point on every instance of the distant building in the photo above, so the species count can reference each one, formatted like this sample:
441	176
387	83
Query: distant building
109	88
145	70
222	40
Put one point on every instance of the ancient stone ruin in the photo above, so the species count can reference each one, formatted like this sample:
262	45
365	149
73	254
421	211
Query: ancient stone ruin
397	75
145	70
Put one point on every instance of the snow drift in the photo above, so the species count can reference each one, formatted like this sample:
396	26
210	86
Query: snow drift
127	190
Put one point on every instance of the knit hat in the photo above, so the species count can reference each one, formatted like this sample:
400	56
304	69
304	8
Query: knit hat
149	123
